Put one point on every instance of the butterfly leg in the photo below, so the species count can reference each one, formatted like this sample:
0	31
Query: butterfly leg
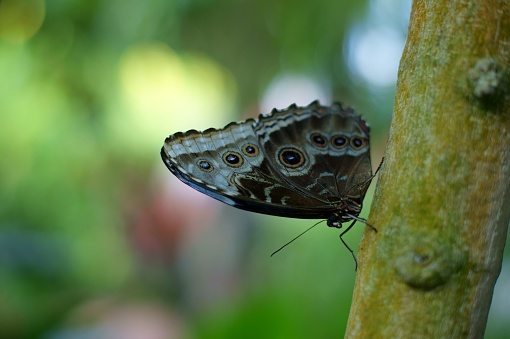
345	244
361	207
368	181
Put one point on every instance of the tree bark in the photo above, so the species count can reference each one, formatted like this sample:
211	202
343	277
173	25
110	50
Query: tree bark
442	204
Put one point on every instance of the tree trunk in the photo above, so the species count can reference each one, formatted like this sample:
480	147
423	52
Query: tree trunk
442	204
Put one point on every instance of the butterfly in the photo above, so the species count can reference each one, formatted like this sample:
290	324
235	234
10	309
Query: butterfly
309	162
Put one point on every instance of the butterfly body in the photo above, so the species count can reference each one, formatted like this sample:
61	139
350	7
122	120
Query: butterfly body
308	162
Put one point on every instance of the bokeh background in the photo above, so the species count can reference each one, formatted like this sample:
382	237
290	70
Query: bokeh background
99	240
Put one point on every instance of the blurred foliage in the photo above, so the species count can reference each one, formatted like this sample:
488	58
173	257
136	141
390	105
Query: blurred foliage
89	229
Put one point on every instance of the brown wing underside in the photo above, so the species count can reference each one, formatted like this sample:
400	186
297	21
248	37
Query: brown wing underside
261	182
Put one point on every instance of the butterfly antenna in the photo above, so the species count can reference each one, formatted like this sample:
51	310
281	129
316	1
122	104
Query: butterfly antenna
309	228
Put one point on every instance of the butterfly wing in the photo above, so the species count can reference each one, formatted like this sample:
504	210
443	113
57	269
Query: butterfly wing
298	162
321	151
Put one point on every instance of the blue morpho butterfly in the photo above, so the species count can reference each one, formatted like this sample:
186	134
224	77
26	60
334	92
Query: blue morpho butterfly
308	162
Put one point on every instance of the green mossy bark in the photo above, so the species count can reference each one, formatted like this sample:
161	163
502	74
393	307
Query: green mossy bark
442	203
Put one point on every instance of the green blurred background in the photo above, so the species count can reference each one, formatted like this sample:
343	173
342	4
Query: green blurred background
99	240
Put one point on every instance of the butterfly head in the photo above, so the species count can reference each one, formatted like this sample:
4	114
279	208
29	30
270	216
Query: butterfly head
347	210
334	220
